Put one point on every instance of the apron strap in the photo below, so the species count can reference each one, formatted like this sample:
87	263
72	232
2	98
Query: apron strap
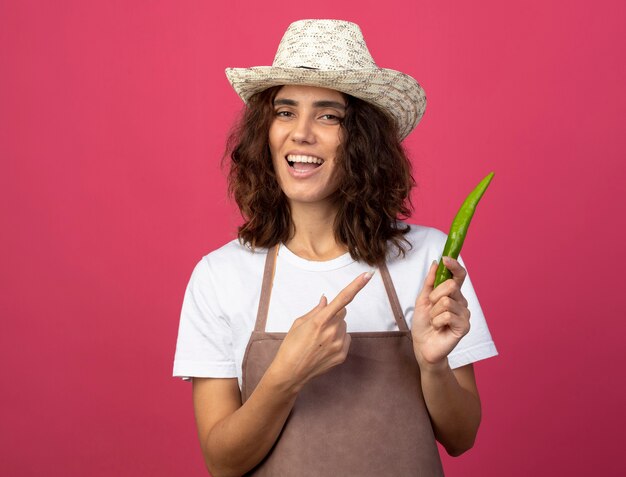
266	289
268	281
393	297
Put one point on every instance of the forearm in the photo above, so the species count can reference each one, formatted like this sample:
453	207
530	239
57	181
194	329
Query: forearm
240	441
455	411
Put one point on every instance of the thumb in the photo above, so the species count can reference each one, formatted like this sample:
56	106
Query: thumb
317	308
429	282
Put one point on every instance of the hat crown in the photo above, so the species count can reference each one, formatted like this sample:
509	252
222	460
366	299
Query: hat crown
330	45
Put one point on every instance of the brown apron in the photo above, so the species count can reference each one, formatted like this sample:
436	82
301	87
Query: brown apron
364	417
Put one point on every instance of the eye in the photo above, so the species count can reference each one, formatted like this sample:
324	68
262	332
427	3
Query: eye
331	118
283	114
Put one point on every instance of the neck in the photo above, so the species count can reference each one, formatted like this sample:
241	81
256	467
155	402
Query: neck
314	237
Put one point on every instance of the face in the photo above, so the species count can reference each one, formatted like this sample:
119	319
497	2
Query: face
304	136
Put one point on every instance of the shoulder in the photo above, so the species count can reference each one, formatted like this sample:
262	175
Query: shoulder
424	235
234	252
424	242
231	263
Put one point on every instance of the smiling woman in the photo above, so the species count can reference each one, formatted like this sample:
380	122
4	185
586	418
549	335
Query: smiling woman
304	139
286	382
371	175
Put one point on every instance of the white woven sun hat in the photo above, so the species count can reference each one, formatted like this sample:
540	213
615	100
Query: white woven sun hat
333	54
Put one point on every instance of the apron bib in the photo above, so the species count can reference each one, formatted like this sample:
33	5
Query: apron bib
364	417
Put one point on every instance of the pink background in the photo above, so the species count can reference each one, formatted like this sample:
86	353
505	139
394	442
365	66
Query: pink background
113	116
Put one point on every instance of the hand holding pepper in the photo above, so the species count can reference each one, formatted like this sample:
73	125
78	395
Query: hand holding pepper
441	316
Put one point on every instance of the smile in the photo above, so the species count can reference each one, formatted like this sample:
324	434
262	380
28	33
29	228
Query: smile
302	163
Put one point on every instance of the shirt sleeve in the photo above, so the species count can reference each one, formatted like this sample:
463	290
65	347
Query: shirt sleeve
477	344
204	345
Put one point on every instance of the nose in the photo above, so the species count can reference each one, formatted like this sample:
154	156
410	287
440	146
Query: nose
303	130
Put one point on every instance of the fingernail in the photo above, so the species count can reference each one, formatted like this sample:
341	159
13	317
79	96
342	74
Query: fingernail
447	260
369	274
434	263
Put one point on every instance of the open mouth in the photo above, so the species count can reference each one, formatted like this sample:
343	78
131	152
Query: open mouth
303	163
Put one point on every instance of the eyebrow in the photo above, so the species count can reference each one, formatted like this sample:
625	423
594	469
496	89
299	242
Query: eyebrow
316	104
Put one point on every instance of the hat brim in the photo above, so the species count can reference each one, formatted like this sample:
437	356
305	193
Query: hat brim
395	92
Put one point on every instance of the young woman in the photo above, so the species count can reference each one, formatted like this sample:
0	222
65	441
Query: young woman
315	340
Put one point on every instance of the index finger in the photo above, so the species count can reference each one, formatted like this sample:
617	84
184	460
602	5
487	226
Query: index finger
346	295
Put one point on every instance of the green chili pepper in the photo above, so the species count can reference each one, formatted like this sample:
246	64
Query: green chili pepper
458	229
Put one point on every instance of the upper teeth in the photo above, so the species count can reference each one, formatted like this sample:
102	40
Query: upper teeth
295	158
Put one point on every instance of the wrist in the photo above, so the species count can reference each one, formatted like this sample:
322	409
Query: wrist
280	383
436	368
